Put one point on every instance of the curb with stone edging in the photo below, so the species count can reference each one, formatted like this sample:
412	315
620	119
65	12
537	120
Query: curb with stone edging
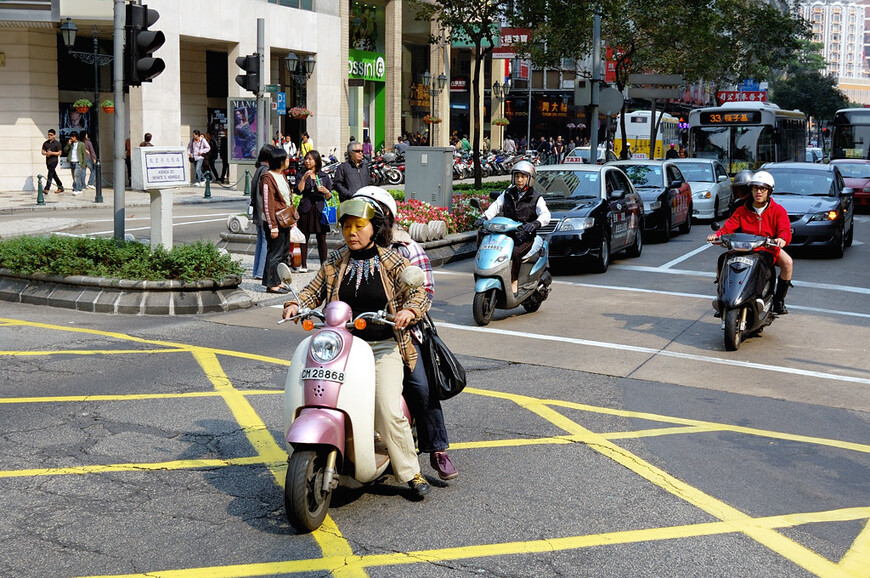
124	296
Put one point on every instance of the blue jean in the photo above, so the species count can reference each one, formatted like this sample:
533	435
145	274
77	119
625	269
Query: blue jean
260	253
426	409
76	170
92	176
199	175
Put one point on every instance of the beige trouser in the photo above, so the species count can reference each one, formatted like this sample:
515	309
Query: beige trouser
390	422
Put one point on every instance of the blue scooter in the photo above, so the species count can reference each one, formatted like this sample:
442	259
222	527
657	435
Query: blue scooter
492	272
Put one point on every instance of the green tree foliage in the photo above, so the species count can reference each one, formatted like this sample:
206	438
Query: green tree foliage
476	22
719	41
811	92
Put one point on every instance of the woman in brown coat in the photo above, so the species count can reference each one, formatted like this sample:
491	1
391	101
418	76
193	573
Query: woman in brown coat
276	195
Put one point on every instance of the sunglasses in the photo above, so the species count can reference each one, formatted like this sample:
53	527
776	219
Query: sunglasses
356	151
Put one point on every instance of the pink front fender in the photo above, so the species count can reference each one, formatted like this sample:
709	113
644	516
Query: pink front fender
318	426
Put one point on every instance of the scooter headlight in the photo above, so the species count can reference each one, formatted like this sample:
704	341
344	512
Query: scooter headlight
325	346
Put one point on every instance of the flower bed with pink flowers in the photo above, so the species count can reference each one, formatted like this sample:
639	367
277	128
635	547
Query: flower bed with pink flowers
461	218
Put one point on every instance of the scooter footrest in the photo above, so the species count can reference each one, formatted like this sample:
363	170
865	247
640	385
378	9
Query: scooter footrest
380	459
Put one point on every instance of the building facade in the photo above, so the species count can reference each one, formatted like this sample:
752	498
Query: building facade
839	26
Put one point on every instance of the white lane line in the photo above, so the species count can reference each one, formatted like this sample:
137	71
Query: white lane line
677	294
688	255
661	352
148	218
825	286
146	228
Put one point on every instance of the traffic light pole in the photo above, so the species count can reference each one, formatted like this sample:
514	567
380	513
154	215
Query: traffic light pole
262	112
119	178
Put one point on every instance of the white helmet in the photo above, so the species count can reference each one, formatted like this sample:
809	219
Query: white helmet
762	179
380	195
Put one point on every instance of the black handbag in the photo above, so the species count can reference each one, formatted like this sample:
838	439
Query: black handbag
445	374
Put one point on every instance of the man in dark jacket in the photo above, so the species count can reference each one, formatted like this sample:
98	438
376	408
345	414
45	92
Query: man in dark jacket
352	175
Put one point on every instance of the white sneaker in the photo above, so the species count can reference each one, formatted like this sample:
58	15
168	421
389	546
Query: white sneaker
76	192
302	270
90	187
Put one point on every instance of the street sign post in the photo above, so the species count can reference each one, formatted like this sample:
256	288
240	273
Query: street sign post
282	103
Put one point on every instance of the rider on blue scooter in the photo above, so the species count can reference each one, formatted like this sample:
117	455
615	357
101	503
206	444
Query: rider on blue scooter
520	202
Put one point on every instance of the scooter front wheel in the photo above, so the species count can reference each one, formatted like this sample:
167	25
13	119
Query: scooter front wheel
733	332
304	499
483	307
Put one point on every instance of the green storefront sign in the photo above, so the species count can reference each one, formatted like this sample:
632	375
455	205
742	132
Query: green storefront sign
366	65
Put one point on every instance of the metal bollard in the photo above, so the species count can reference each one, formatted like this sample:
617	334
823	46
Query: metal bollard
207	185
247	183
40	197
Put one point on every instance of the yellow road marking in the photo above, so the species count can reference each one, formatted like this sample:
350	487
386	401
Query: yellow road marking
512	548
328	537
786	547
338	556
857	559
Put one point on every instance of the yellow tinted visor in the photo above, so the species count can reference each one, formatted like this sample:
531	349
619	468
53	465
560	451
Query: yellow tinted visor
356	208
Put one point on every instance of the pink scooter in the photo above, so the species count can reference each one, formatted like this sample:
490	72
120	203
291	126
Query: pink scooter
329	409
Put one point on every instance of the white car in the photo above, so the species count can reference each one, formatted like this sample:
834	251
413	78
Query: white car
580	155
711	187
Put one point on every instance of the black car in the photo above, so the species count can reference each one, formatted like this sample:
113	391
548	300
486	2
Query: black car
819	205
667	196
595	212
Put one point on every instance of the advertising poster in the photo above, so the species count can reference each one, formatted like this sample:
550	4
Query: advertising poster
243	130
70	120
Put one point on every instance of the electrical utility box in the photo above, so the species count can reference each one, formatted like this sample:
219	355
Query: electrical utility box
429	175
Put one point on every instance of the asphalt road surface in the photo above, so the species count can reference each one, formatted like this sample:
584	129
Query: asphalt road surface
607	434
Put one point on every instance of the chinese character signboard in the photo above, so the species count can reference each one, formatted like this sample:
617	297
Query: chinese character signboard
736	96
509	38
553	109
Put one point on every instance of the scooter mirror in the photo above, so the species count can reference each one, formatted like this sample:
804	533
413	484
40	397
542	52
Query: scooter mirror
284	272
476	204
493	195
412	277
715	226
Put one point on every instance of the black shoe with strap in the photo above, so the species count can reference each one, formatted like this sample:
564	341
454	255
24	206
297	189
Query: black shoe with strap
419	485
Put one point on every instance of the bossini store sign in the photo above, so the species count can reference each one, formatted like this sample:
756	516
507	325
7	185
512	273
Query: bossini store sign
366	65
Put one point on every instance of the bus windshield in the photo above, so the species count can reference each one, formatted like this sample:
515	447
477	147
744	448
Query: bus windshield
851	142
738	147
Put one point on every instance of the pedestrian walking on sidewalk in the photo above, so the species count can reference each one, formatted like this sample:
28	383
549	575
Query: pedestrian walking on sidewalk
90	161
75	154
197	151
52	150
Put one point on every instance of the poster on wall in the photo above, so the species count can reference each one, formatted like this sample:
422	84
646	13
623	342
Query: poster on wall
70	120
363	27
243	129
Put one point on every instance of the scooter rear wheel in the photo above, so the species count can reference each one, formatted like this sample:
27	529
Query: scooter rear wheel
733	333
304	500
483	307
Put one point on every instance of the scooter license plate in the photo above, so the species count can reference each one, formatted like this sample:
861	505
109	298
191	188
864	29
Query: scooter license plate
321	373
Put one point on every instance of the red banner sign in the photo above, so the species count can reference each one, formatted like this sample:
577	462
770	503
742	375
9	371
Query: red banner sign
737	96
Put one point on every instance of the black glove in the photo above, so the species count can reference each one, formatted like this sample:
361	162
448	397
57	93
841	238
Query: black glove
480	221
530	228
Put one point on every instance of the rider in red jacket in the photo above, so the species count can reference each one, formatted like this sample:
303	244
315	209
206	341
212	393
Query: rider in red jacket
761	215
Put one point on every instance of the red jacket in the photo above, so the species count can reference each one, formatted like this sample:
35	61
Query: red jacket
772	222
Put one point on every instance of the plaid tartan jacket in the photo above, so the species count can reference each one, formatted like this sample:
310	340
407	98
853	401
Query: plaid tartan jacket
324	288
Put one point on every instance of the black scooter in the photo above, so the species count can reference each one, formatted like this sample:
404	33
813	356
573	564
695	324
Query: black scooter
746	284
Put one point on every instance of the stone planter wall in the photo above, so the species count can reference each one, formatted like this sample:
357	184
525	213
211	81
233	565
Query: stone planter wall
124	296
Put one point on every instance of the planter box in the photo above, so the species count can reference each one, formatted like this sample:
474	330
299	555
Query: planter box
124	296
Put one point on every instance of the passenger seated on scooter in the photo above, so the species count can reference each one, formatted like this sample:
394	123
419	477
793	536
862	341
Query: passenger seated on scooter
762	216
740	188
365	274
425	407
521	202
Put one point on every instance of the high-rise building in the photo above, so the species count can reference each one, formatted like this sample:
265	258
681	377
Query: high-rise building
839	26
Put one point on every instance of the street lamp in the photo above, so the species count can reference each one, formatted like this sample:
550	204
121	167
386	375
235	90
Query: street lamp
434	86
500	91
68	32
300	70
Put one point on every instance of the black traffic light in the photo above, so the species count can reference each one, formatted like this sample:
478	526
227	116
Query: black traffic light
139	65
251	65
